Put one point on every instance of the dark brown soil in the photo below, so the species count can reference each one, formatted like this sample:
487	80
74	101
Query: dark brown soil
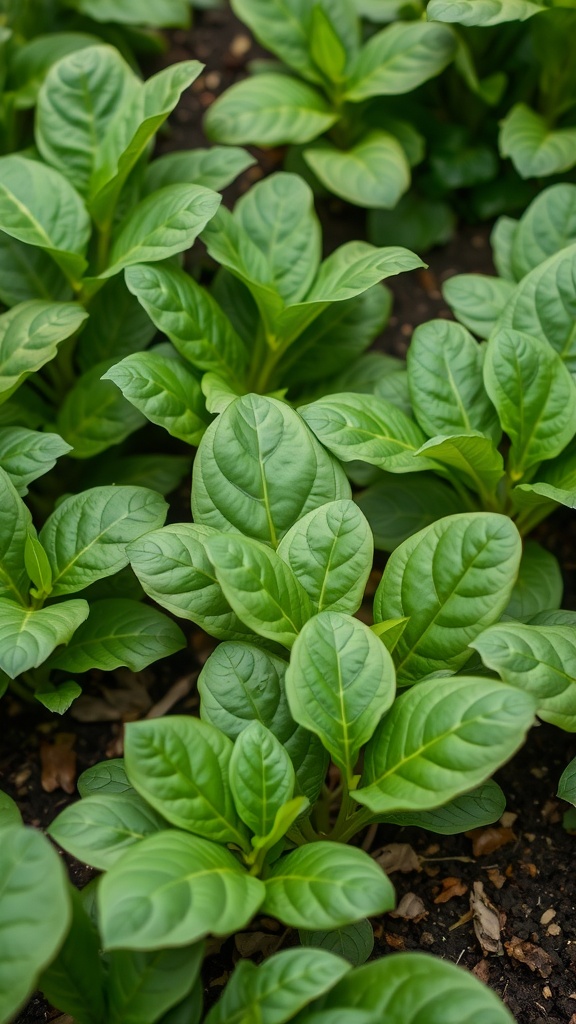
535	868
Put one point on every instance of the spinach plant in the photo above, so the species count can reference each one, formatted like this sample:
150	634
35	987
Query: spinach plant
278	317
44	629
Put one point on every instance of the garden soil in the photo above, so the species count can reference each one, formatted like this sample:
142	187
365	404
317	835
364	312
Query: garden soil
500	902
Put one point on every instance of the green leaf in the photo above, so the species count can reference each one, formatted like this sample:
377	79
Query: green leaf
15	523
161	225
120	632
259	469
173	889
189	317
502	242
9	812
174	569
261	589
28	636
567	783
453	579
330	551
95	415
411	987
181	767
474	458
104	777
368	428
534	395
479	807
85	538
399	59
445	381
268	110
117	326
548	225
157	13
165	391
398	506
478	300
29	337
40	207
544	305
339	683
34	915
326	885
162	473
390	631
279	988
481	12
59	698
29	273
539	585
373	173
356	266
540	661
417	222
99	829
535	148
75	980
326	48
440	739
241	683
144	986
261	777
353	942
37	564
214	168
27	454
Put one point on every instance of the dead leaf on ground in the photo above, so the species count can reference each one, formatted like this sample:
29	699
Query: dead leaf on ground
180	689
496	877
486	840
481	970
410	908
58	761
394	941
537	959
451	887
486	921
249	943
128	701
398	857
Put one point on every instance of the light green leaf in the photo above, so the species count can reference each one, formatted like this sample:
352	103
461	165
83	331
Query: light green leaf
259	469
356	266
453	579
95	415
339	683
162	225
144	986
37	565
353	942
326	885
27	454
261	589
28	636
40	207
368	428
479	807
535	397
548	225
326	48
59	698
34	914
330	551
440	739
120	632
540	661
29	337
85	538
279	988
478	300
268	110
157	13
374	173
445	380
399	59
15	523
99	829
502	241
397	506
9	813
261	777
390	631
214	168
285	817
117	326
535	148
174	888
181	767
474	458
481	12
539	585
174	569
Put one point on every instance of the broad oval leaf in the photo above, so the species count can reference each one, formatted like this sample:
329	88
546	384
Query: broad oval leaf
29	337
353	942
478	300
142	985
85	538
330	551
481	806
440	739
539	585
261	777
27	454
548	225
373	173
326	885
339	683
214	168
472	457
104	777
34	913
28	636
9	813
268	110
535	148
181	767
99	829
173	889
452	580
259	469
399	59
540	661
481	12
567	783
